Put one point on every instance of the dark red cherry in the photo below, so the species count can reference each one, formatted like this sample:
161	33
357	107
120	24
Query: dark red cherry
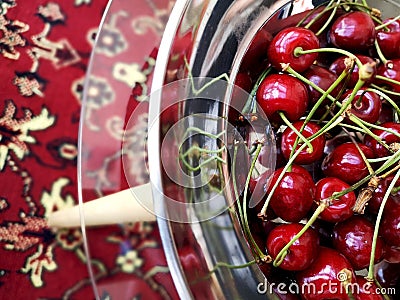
387	137
240	94
366	290
354	31
375	202
305	157
256	54
366	105
345	162
392	254
294	195
389	41
322	78
390	70
282	93
386	114
327	271
341	208
353	238
301	254
387	274
390	226
338	66
283	45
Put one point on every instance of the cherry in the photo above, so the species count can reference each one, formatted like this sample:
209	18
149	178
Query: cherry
294	195
282	48
390	70
390	226
338	66
387	274
389	41
243	85
346	162
301	254
322	78
366	105
341	208
353	31
375	202
323	276
282	93
366	290
353	238
256	54
387	137
305	157
392	254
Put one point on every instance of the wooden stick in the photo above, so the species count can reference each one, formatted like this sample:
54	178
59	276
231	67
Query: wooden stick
130	205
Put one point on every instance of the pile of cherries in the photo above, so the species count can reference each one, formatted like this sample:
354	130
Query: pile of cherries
329	215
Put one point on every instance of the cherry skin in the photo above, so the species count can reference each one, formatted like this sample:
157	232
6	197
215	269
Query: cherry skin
346	162
385	136
338	66
354	31
390	226
389	41
341	208
367	290
392	254
353	238
366	105
281	50
282	93
242	88
390	70
305	157
294	196
301	254
323	276
322	78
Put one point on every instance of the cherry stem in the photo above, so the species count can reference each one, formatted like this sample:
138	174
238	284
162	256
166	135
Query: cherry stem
360	123
317	17
299	51
246	226
332	15
299	135
387	79
377	224
381	289
250	103
385	90
384	25
284	251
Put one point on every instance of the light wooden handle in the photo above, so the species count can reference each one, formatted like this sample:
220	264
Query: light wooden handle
131	205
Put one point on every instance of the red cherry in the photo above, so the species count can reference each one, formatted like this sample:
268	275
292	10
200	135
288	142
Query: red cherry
294	195
301	254
390	226
354	31
240	94
390	70
346	162
283	45
353	238
322	78
289	138
387	137
338	66
282	93
387	274
366	105
389	41
366	290
392	254
324	276
340	209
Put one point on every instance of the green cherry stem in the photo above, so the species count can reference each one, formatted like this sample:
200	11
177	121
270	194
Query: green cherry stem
384	25
284	251
387	79
251	101
385	90
380	53
299	51
317	17
387	98
370	276
331	16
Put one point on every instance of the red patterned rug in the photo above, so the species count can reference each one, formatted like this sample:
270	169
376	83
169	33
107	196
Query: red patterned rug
44	52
